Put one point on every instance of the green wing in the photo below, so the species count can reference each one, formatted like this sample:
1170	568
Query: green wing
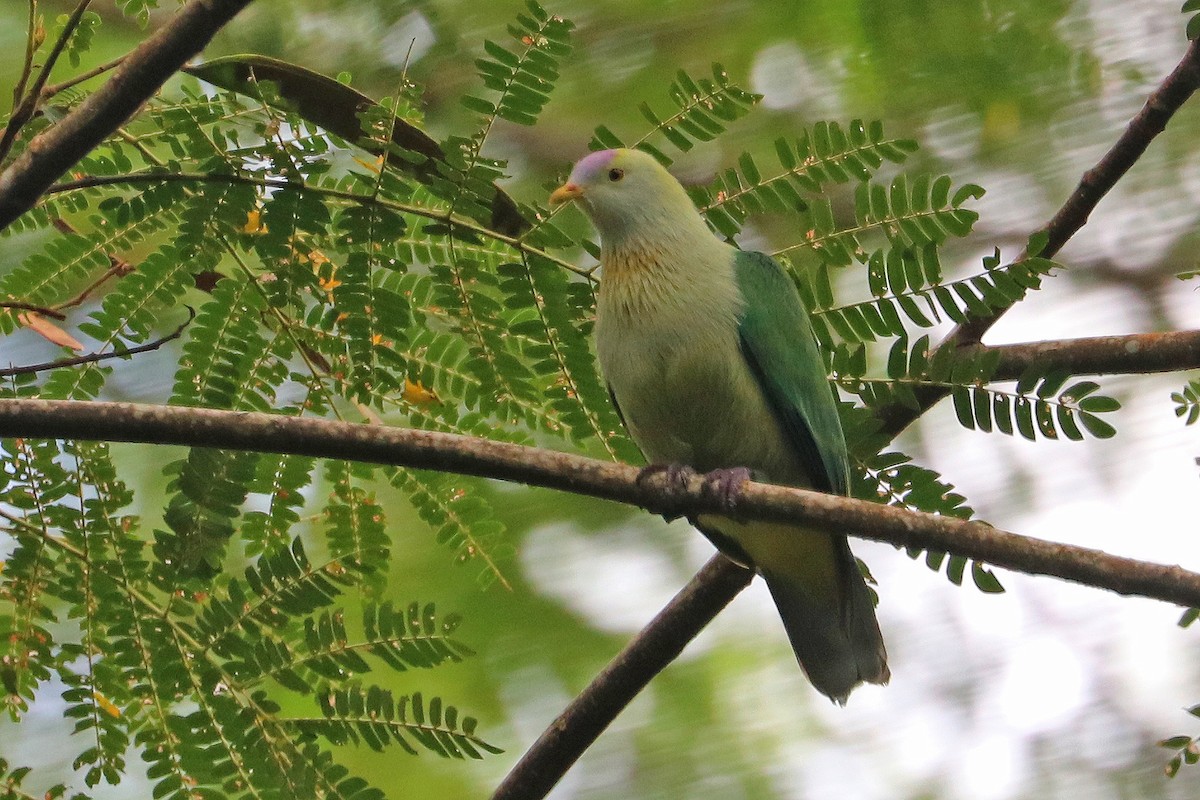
778	342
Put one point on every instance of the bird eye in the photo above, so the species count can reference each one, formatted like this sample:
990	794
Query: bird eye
615	174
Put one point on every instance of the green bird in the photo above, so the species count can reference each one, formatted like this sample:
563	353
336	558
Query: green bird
711	360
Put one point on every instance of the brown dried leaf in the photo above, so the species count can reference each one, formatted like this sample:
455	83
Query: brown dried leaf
48	330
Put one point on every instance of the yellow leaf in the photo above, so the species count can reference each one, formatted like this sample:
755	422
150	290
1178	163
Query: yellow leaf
106	705
375	166
254	223
418	395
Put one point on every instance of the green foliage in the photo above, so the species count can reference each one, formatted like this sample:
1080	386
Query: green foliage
1187	402
703	108
826	154
11	780
523	79
1193	23
908	288
138	9
1187	748
892	478
80	39
375	719
1038	406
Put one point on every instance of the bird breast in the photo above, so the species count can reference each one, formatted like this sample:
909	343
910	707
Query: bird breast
671	353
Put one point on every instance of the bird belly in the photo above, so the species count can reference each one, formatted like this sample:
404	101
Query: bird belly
698	403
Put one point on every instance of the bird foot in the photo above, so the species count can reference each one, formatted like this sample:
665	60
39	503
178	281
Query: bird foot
676	476
726	486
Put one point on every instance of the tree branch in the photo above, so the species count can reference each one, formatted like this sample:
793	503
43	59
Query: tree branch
1141	353
646	655
1136	353
405	447
139	76
75	80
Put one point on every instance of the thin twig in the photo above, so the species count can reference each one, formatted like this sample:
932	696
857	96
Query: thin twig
31	46
139	76
75	80
24	112
45	312
117	268
92	358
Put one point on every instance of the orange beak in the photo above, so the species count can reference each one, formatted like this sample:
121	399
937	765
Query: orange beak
565	193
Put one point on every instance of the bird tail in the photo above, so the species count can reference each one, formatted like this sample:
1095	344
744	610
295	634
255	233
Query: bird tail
834	634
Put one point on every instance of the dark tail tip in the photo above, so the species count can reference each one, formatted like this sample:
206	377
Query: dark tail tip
836	640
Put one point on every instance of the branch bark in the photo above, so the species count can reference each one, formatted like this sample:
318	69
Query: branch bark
139	76
1140	353
405	447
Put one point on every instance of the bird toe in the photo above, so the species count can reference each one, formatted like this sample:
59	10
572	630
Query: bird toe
675	476
726	486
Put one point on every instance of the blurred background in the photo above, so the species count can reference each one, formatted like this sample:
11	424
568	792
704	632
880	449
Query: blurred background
1047	691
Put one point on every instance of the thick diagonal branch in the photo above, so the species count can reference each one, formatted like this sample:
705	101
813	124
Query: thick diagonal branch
652	651
139	76
1150	121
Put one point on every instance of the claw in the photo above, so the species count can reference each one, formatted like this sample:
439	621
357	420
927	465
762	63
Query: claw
677	477
726	486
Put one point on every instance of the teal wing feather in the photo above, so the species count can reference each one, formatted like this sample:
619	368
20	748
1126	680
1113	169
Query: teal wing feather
833	631
778	342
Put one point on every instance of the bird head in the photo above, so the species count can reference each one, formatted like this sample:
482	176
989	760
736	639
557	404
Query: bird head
627	193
